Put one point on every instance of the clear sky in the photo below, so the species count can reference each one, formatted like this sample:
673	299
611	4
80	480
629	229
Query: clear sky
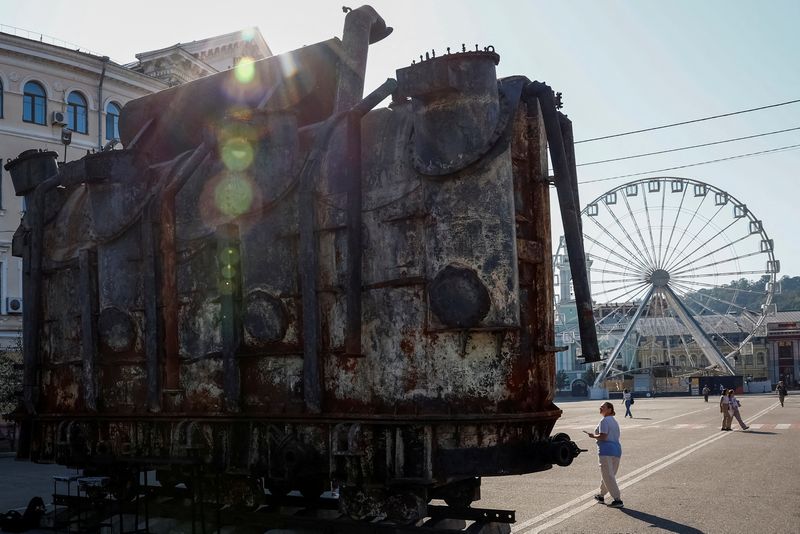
621	65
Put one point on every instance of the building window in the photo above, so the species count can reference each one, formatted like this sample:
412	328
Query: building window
112	121
760	358
77	119
748	360
1	99
34	103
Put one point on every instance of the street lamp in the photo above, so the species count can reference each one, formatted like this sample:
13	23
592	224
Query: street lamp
66	138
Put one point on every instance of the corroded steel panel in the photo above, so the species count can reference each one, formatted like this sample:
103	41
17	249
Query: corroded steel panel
300	288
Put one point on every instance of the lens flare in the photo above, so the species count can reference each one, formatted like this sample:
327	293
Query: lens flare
237	154
226	287
248	34
233	195
245	70
229	256
288	65
228	272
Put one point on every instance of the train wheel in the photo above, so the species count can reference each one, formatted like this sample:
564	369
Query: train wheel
406	508
278	488
312	489
461	494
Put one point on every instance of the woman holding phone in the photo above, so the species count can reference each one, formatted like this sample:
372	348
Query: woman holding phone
610	451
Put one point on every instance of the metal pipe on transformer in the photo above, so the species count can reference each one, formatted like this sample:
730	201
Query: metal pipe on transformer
354	242
362	27
570	216
105	60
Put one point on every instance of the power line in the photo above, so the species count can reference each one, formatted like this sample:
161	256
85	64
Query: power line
788	147
687	147
688	122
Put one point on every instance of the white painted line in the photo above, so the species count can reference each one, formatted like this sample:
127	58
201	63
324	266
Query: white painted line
756	425
683	425
675	417
629	479
782	426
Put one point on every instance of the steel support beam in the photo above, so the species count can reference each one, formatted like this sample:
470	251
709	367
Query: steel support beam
706	345
621	342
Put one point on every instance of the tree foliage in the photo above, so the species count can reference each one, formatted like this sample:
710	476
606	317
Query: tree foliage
562	379
747	294
589	375
10	376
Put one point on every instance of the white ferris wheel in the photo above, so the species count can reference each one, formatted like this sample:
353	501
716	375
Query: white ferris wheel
680	272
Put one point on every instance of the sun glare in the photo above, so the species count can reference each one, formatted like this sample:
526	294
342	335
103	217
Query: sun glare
233	195
248	34
245	70
237	154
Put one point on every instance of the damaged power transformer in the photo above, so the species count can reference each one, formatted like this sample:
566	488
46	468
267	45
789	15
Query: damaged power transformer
280	283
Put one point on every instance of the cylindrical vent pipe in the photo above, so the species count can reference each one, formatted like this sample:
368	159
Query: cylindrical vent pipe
570	216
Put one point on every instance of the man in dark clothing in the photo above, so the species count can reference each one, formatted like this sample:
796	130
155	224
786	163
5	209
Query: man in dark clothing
780	389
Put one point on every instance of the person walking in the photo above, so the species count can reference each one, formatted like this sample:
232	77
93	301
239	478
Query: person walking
723	408
627	398
706	391
609	450
733	409
780	389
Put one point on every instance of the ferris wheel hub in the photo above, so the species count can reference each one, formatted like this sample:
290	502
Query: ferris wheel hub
659	278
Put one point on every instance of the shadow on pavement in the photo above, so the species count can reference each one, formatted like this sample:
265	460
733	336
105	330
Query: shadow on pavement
763	432
661	522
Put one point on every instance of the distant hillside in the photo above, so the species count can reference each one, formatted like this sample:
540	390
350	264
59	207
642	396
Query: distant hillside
750	295
789	299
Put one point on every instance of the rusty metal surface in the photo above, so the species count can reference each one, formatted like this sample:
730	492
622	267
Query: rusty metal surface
298	287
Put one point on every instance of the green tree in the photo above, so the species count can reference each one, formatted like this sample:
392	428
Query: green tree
10	376
589	375
562	379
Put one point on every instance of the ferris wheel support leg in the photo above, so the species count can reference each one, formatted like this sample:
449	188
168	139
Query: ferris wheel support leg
706	345
618	347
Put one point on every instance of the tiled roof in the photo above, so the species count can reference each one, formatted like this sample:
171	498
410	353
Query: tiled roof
722	324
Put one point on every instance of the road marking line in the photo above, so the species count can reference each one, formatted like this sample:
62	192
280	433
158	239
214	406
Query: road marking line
756	425
675	417
624	481
782	426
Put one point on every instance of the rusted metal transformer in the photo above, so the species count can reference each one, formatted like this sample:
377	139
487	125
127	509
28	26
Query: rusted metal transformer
279	283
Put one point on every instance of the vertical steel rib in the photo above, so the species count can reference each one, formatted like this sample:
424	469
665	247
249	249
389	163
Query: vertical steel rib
88	303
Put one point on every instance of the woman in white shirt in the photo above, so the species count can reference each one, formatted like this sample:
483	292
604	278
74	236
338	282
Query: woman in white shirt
610	451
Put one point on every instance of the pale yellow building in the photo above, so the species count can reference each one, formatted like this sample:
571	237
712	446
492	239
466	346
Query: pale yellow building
50	90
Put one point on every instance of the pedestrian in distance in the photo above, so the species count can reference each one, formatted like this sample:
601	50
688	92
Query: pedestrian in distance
723	408
706	391
609	450
780	389
627	398
733	409
721	390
